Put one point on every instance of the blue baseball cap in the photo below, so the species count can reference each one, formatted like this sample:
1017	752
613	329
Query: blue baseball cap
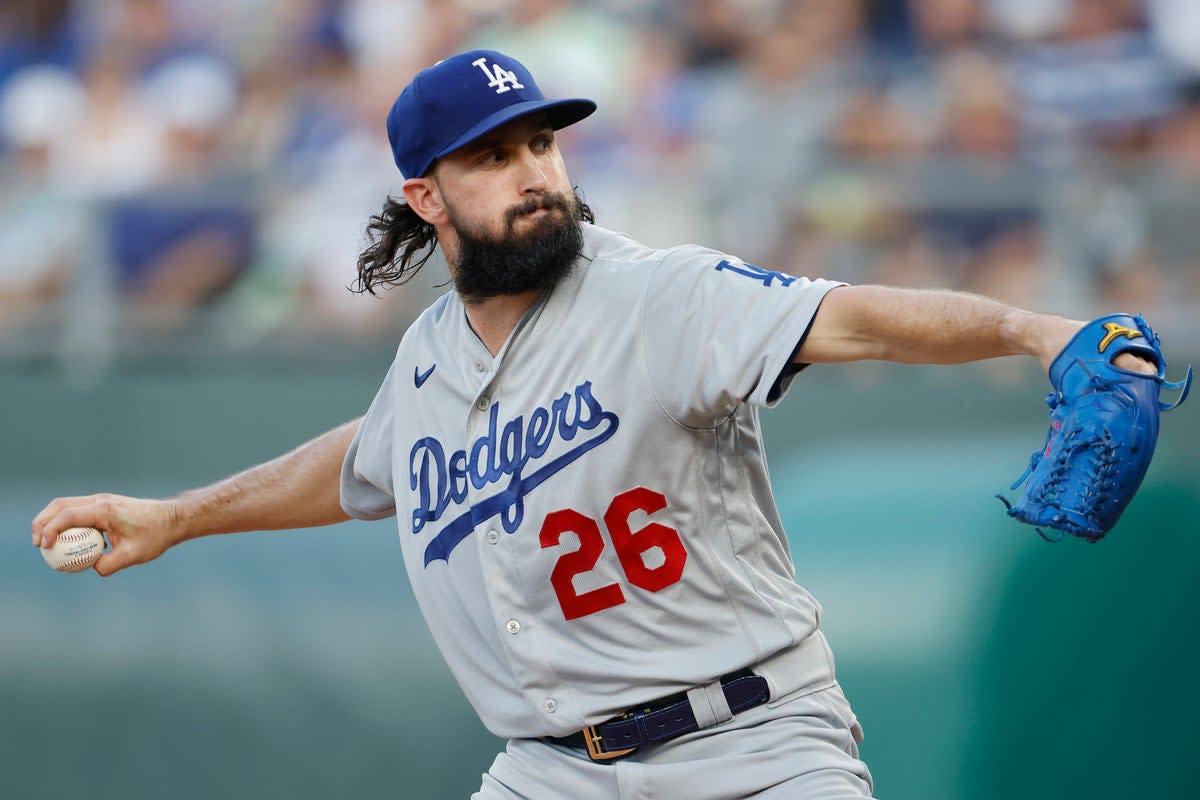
457	100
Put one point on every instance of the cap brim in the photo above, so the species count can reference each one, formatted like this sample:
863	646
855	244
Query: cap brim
561	113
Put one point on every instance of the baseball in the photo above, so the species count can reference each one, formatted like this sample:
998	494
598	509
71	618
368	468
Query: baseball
75	550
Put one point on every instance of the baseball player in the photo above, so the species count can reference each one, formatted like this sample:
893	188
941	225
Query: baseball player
569	443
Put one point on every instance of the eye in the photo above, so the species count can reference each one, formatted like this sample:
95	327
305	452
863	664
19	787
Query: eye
543	142
490	158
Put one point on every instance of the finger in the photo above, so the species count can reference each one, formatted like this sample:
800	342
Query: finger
113	561
53	509
90	515
1136	362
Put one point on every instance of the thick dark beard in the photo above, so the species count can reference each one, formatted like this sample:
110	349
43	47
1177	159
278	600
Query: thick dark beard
535	260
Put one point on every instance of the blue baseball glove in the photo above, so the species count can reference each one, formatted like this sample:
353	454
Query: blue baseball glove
1103	428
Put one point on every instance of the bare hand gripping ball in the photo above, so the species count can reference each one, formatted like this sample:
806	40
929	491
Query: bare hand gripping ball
75	550
1103	428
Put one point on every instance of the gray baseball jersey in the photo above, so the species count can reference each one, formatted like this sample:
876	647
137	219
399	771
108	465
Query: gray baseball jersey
586	518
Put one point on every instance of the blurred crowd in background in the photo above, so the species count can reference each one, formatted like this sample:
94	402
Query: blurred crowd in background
171	166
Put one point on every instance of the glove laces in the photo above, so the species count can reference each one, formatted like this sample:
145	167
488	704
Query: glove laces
1102	463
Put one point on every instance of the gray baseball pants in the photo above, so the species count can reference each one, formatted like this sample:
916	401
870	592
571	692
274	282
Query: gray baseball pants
802	746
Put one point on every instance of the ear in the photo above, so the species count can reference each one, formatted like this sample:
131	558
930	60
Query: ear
424	197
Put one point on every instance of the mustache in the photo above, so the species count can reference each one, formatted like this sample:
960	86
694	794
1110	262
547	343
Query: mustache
549	202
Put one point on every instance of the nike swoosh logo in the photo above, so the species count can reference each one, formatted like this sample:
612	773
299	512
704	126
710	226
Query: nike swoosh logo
419	377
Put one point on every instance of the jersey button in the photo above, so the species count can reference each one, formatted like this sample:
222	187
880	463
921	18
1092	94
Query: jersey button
513	627
492	537
479	366
482	403
551	705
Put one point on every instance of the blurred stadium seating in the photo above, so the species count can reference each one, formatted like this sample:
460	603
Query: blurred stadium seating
190	164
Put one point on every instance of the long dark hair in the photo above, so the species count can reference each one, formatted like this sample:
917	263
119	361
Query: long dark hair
397	236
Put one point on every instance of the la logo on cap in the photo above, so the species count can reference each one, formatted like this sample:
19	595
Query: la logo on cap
446	107
498	77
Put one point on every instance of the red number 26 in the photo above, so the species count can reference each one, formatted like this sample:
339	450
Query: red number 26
630	546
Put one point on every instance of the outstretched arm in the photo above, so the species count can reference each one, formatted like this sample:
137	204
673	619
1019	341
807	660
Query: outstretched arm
297	490
911	326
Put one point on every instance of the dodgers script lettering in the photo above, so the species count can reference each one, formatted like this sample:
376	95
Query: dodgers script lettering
506	450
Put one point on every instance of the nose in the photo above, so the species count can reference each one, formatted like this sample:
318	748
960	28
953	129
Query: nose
533	173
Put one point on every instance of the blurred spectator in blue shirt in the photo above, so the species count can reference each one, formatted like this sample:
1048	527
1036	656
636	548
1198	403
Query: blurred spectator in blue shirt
1098	78
34	32
185	239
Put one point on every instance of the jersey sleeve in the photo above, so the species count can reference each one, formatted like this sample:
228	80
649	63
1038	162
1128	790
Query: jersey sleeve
366	483
718	331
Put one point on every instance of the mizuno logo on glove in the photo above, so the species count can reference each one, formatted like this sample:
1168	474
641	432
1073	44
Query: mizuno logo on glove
1115	329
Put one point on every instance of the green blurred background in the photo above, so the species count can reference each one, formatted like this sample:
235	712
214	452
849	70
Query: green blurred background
983	662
